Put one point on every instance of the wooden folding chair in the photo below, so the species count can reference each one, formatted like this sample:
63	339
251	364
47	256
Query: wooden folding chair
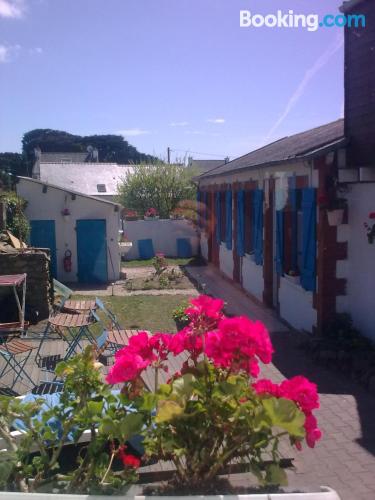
117	336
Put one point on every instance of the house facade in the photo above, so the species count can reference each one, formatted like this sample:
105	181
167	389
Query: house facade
264	216
82	232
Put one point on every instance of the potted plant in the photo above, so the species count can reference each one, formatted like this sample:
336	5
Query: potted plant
335	208
214	411
177	214
370	229
180	317
151	214
130	215
66	214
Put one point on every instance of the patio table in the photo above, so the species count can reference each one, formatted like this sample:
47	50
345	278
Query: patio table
72	328
14	281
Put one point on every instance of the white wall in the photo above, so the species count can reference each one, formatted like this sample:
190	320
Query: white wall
164	234
360	267
226	261
204	246
296	306
252	277
48	206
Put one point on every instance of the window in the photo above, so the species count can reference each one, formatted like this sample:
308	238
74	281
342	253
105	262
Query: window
101	188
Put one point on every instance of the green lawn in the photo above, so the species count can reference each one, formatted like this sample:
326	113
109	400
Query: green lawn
147	312
148	262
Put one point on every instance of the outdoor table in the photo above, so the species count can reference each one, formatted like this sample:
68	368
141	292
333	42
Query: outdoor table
66	326
79	306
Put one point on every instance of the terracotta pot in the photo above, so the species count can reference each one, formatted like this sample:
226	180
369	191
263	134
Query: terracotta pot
335	217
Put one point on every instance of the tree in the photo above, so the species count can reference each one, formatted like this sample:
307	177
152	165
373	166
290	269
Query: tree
13	163
111	148
160	186
16	220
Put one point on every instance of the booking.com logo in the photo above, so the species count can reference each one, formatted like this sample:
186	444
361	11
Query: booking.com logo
311	22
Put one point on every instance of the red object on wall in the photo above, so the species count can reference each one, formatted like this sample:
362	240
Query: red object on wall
67	261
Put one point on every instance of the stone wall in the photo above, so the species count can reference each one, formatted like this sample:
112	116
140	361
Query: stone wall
36	264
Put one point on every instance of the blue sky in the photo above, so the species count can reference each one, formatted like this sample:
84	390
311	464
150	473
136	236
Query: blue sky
178	73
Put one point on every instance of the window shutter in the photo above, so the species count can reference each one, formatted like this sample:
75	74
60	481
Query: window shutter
228	217
279	241
308	271
293	206
258	226
218	216
240	237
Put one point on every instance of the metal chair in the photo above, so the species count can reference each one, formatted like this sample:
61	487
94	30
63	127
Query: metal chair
15	354
117	336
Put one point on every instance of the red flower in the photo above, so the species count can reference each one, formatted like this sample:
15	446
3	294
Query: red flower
127	459
371	215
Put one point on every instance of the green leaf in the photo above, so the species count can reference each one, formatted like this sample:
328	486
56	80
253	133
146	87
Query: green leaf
183	386
276	476
95	407
284	413
167	410
131	424
148	402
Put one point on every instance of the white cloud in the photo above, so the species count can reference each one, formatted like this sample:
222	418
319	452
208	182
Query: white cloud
7	52
133	132
309	75
178	124
195	132
35	51
12	8
216	120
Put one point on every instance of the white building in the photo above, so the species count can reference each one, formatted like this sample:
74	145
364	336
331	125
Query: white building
81	231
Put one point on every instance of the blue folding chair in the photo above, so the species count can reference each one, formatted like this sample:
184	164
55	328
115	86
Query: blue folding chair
117	336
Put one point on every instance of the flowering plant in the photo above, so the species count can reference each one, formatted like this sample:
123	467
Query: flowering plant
65	211
151	212
160	263
130	214
213	411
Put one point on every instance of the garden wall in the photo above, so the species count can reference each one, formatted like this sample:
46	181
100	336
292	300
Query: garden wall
36	264
359	268
174	238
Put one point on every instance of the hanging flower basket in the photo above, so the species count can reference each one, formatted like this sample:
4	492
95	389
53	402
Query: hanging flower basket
335	217
66	214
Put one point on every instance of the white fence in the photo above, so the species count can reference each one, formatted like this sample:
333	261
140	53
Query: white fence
174	238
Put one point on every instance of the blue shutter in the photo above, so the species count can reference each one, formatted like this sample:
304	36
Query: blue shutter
240	223
218	217
293	206
228	219
308	271
258	226
279	242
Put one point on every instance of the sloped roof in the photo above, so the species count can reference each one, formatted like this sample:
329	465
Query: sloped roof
286	149
85	177
63	157
205	165
70	191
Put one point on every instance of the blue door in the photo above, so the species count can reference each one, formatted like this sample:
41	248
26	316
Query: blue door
92	251
43	235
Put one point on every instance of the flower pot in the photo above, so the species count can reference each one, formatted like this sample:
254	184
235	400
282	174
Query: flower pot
131	218
335	217
125	247
147	217
325	494
66	218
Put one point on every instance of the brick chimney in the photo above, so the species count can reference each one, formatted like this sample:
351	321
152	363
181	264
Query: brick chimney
360	84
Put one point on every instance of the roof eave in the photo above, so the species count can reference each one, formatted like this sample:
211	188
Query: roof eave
70	191
305	156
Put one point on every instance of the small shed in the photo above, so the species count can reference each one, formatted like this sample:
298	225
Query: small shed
81	231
